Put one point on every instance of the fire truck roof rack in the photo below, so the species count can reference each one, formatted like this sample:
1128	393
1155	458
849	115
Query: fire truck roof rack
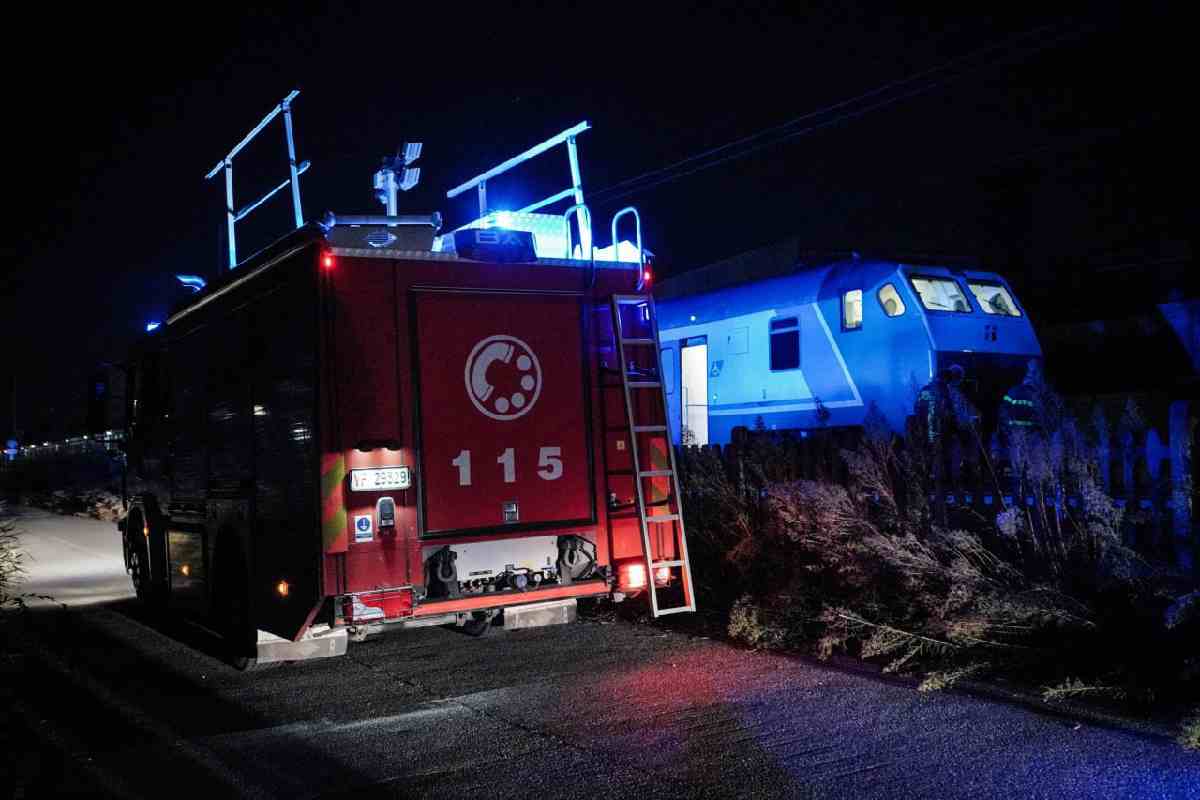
552	232
233	215
567	137
575	191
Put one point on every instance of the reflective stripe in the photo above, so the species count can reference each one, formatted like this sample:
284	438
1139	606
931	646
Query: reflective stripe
334	535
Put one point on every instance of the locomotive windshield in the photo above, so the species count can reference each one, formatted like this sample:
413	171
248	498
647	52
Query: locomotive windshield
993	298
940	294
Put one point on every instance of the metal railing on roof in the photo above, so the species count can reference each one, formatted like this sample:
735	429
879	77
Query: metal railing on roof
567	137
234	215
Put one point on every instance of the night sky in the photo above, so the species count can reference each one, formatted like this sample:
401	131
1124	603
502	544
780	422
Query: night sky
1043	146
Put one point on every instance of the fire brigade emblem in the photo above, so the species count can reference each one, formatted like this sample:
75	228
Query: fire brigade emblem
503	377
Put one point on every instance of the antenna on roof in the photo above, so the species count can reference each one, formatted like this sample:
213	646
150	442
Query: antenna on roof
232	215
385	179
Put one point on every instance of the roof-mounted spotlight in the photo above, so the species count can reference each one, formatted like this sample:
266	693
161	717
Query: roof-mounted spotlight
386	183
409	178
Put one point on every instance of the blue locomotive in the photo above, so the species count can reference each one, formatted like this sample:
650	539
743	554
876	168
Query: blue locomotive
814	344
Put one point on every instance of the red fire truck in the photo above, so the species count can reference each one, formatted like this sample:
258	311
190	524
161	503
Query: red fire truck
367	424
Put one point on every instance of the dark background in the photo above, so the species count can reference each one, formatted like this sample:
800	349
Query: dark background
1061	157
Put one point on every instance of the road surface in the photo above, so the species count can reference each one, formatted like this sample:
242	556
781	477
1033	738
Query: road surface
590	710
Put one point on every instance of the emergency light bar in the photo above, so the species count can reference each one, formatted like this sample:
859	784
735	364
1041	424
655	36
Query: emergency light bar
495	244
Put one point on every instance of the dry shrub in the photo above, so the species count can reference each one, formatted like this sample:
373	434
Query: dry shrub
941	680
1046	594
10	560
1189	735
722	524
782	624
815	515
1075	689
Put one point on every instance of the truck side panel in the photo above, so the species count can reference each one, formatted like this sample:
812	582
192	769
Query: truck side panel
286	588
188	540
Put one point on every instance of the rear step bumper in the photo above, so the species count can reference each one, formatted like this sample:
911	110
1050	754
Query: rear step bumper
433	608
319	641
537	615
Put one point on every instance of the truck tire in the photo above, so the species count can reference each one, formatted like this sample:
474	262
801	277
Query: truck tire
477	626
149	591
139	571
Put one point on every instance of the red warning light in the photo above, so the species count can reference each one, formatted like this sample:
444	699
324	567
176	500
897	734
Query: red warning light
647	276
327	261
631	575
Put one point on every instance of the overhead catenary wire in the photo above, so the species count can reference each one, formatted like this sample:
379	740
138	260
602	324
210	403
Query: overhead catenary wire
776	134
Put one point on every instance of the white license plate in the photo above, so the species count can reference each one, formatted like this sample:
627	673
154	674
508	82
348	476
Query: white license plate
376	480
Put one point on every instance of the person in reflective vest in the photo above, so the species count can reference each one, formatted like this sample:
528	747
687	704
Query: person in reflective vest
1022	423
943	408
1021	406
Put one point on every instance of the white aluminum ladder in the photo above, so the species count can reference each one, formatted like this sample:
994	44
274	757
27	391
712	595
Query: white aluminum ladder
638	376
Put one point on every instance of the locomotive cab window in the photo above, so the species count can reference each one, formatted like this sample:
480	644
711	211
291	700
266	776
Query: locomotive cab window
852	310
785	343
993	298
940	294
890	300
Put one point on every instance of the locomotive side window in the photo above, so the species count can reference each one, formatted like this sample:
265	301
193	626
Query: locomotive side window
993	298
852	310
890	300
785	343
940	294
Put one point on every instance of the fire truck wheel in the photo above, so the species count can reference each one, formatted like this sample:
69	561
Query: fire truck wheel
150	592
477	626
139	571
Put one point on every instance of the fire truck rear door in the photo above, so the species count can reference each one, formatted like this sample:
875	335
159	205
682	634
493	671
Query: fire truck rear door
503	411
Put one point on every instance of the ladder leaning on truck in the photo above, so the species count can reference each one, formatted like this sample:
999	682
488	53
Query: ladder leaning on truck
369	424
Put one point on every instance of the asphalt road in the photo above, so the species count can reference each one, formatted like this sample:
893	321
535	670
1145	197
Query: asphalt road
112	702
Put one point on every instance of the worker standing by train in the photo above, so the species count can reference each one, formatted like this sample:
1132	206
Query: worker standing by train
949	422
1022	419
1021	406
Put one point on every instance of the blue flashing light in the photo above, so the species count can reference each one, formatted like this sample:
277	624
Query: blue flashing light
193	282
504	219
153	326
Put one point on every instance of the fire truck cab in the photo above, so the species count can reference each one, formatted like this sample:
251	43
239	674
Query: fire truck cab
369	423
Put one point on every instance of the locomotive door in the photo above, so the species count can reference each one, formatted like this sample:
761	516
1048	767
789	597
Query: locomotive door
693	383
